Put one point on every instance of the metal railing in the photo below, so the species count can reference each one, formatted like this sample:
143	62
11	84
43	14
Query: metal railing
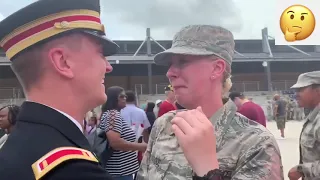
282	85
244	86
160	88
141	89
11	95
14	93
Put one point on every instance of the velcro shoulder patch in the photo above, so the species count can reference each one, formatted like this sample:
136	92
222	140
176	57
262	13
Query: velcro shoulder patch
57	156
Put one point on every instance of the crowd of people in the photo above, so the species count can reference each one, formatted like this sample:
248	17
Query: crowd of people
58	55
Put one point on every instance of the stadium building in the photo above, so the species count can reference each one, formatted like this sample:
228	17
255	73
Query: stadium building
259	65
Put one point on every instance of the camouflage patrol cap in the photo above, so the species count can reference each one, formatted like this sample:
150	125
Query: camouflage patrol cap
200	40
307	79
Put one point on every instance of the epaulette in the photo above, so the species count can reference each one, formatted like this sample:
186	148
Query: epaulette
57	156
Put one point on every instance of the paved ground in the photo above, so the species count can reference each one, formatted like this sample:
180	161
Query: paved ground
289	147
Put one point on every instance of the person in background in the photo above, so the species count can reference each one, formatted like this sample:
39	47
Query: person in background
8	119
156	109
150	115
308	95
269	111
248	108
298	111
279	112
86	127
135	116
123	162
168	104
290	107
92	124
143	106
151	118
158	102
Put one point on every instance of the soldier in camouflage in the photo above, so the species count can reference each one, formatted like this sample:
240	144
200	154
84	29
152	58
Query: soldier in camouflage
199	65
308	96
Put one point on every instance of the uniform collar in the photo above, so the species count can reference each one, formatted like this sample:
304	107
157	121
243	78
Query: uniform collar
71	118
222	117
65	114
228	109
312	116
36	113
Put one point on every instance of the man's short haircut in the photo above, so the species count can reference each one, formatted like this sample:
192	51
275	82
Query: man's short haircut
234	95
30	65
131	97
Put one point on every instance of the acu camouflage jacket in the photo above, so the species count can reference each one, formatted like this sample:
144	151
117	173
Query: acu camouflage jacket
310	146
244	147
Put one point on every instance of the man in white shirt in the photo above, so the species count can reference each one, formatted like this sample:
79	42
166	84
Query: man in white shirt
135	117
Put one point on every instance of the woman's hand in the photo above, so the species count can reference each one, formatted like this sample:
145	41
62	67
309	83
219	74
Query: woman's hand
195	134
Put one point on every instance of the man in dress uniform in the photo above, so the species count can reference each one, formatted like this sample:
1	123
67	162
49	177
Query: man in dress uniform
57	50
308	96
210	140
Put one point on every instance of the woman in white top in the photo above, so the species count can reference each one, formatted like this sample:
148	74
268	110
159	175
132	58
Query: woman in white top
8	118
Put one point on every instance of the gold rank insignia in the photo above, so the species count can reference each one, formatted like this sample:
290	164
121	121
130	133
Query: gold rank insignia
57	156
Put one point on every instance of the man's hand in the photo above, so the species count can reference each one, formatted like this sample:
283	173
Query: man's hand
291	36
195	134
294	174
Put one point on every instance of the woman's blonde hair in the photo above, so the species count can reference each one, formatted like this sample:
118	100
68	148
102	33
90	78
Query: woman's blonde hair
227	85
226	82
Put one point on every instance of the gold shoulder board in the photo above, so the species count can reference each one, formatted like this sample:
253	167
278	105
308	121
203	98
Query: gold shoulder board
56	157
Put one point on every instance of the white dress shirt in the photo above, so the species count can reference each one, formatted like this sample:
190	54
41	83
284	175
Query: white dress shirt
135	116
3	139
71	118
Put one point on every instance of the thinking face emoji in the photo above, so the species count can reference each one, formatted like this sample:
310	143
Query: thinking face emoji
297	22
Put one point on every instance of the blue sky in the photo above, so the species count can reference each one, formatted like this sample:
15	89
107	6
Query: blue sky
128	20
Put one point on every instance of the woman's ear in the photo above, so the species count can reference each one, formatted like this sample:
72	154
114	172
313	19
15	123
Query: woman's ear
218	68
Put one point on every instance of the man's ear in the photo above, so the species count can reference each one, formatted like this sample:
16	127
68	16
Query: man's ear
218	68
58	57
